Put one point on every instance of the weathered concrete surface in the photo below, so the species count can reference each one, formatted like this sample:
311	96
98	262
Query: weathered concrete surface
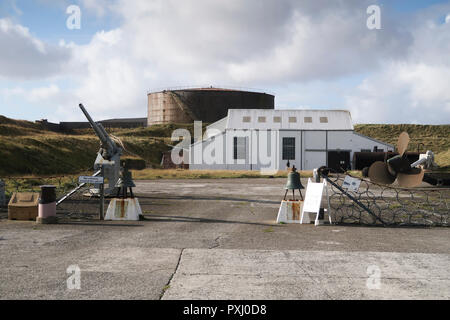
238	274
225	220
106	272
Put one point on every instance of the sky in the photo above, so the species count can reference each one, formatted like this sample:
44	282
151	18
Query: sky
317	54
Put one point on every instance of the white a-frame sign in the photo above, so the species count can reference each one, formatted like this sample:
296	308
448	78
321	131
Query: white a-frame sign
313	200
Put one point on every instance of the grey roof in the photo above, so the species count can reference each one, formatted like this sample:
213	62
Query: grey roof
126	120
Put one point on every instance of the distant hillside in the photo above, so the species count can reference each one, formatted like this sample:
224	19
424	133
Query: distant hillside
433	137
28	148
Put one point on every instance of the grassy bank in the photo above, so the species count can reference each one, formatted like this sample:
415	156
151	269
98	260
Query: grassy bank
423	137
153	174
27	148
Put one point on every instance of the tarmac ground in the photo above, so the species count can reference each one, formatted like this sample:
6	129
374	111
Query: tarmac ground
216	239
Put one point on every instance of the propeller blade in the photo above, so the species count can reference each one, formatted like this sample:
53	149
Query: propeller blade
411	179
402	143
379	173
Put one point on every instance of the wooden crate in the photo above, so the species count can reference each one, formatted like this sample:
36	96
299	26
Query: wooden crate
23	206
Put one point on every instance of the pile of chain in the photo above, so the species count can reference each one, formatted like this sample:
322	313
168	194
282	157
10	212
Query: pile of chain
388	205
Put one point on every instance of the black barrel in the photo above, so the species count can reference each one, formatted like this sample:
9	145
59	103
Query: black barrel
48	194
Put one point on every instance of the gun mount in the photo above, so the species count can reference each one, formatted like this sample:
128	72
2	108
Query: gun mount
108	156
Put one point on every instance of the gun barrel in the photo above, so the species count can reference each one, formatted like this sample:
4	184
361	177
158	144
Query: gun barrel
100	131
94	125
86	114
111	145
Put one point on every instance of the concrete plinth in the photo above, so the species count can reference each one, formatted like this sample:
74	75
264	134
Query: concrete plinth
289	211
123	209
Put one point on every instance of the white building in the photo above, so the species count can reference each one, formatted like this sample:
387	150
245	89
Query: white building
253	139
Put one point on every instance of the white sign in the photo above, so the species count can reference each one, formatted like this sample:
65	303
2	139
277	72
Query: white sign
313	197
313	201
90	179
351	184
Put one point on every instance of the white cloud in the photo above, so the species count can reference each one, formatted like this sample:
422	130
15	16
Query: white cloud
43	93
413	90
23	56
251	43
11	92
403	93
99	7
37	94
260	43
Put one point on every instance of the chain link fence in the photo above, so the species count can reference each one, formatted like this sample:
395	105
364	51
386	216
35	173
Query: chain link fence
388	205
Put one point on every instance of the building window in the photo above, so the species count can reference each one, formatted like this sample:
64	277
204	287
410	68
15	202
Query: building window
323	119
288	148
246	119
239	146
261	119
308	119
292	119
277	119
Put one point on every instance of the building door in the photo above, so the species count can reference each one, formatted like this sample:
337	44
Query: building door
339	160
288	149
314	159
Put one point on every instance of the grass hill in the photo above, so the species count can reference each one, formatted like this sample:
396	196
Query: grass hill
425	137
435	138
27	148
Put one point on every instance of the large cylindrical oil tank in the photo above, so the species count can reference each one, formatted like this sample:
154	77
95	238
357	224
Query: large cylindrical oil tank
202	104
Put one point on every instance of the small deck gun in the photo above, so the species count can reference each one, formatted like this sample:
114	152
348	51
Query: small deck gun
108	156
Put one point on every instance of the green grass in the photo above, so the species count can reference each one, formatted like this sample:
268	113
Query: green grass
32	183
443	158
50	153
154	174
434	137
27	148
425	137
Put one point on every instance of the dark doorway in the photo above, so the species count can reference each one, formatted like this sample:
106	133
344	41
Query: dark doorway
339	160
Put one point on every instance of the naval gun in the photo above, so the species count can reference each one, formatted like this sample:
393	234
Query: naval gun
108	156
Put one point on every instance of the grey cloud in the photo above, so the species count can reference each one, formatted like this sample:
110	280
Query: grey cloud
265	41
24	57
